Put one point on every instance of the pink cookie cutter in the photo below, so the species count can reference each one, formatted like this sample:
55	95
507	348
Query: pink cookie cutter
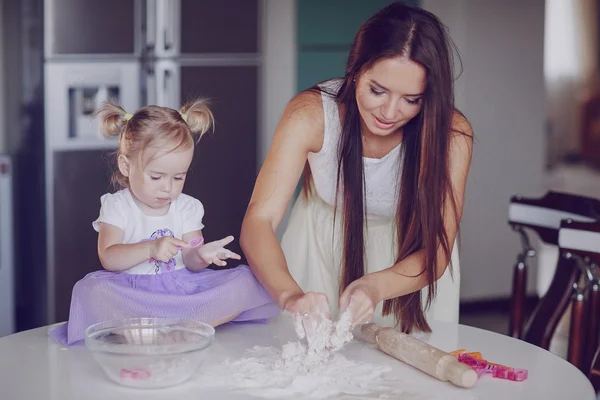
483	367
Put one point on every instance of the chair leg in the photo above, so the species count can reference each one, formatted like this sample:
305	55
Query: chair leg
577	332
545	317
594	375
517	313
593	324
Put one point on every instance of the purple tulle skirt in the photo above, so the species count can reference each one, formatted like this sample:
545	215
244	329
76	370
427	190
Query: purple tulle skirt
207	296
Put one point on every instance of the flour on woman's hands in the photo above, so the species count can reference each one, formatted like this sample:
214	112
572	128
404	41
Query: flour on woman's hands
321	333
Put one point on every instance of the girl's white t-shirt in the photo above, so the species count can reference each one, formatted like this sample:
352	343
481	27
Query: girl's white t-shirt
119	209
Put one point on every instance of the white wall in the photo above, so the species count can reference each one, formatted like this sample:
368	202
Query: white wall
279	66
278	73
453	14
502	94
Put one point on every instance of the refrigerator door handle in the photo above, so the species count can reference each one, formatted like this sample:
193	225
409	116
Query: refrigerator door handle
167	78
167	40
150	25
167	14
167	30
151	88
167	83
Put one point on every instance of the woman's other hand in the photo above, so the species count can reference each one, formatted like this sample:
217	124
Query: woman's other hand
360	298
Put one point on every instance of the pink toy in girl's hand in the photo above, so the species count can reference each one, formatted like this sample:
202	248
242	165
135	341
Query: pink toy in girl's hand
197	241
483	367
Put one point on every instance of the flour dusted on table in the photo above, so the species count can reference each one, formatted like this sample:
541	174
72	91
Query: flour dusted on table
317	370
295	373
313	371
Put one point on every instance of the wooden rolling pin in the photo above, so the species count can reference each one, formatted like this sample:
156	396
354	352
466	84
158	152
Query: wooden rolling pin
419	355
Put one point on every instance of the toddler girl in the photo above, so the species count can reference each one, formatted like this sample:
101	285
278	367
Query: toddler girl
150	239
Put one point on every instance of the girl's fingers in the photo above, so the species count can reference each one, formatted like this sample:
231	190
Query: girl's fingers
225	241
228	254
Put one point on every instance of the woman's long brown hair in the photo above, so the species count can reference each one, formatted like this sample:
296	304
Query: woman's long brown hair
425	187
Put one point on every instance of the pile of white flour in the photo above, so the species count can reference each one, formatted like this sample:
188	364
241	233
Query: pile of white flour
312	371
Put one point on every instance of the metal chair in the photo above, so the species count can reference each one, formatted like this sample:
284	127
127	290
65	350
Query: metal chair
543	216
580	241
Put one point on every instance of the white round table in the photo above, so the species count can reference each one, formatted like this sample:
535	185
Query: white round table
34	366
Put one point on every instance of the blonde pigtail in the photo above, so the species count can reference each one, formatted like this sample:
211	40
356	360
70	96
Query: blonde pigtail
113	118
198	116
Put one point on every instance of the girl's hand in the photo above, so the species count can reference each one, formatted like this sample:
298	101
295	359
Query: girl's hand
165	248
360	298
216	253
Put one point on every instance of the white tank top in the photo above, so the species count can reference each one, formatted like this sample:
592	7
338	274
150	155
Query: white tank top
382	176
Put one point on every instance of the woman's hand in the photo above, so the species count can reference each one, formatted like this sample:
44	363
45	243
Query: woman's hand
360	298
308	310
216	253
307	303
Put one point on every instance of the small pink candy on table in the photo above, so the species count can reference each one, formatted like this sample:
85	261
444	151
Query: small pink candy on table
136	373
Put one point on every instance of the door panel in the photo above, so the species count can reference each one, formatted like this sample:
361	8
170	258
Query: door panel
81	177
224	168
224	26
91	27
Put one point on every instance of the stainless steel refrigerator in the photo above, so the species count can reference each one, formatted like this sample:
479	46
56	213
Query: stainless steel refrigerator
7	264
143	52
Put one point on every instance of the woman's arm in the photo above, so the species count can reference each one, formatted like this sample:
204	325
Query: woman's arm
117	256
398	280
299	132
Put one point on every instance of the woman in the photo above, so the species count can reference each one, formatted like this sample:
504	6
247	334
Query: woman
387	157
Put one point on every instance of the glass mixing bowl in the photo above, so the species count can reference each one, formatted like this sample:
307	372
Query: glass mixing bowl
149	352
